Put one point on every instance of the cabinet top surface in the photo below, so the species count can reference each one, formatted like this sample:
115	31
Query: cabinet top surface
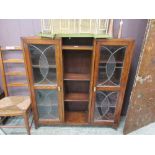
63	35
59	38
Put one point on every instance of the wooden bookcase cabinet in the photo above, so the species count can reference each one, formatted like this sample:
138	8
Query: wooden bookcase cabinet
77	81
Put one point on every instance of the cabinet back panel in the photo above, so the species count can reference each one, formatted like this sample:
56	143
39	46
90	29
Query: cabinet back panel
77	62
76	86
76	106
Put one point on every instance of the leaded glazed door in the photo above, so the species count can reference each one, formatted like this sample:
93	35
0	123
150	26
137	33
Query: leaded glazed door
45	71
112	63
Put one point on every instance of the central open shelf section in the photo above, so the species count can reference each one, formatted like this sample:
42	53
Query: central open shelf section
77	58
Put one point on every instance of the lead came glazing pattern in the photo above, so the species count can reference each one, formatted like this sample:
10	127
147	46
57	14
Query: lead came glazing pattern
43	63
105	105
110	65
47	103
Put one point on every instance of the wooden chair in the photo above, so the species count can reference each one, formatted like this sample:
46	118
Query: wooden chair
16	106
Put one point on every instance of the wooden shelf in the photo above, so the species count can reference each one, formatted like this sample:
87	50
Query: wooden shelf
105	67
76	118
76	97
37	66
45	83
13	61
118	62
83	48
47	86
15	73
19	84
78	77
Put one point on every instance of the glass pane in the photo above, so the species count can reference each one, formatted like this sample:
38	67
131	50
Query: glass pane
105	105
47	103
43	64
110	65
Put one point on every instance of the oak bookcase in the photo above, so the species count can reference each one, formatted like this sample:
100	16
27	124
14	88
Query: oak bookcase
77	81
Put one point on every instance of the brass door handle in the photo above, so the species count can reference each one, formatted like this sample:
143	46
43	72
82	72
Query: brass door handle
59	88
94	89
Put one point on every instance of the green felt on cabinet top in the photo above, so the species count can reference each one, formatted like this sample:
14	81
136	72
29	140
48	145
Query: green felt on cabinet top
62	35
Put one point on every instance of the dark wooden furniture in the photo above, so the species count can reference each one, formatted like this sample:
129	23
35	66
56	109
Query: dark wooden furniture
77	81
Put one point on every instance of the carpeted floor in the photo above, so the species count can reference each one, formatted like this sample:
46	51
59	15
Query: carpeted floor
74	130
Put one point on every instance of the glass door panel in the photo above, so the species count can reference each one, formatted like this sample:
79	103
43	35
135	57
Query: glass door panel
47	104
110	65
43	64
105	104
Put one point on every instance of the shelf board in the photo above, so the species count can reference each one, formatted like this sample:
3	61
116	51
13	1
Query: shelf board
45	83
83	48
108	86
37	66
15	73
105	67
75	118
76	76
118	62
17	84
13	61
76	97
45	86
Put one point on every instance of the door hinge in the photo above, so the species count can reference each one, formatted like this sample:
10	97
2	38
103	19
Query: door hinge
59	89
94	89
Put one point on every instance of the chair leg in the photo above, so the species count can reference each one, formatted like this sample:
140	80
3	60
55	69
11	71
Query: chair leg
26	120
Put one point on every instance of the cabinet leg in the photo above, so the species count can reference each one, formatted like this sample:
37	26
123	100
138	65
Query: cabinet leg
26	120
115	125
